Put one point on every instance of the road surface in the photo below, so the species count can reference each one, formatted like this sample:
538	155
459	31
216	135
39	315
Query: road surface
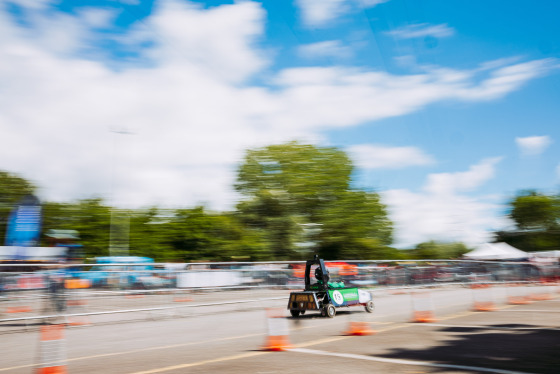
229	339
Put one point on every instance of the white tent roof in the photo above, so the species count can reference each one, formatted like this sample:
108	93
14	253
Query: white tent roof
546	254
496	251
31	253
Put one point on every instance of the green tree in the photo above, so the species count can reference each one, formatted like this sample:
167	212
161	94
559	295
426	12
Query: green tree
534	211
438	251
356	226
90	217
537	217
195	235
149	234
291	187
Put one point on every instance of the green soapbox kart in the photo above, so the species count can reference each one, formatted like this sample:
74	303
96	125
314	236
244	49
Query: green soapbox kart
323	296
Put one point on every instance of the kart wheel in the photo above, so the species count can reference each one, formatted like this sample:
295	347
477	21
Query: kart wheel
329	310
370	306
294	313
302	312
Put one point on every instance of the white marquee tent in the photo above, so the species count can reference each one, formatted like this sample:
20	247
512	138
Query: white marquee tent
546	254
32	253
496	251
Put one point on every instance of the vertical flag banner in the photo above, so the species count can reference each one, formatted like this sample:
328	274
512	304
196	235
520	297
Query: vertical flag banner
24	223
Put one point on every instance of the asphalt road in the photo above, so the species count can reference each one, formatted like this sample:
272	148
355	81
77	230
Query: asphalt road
513	338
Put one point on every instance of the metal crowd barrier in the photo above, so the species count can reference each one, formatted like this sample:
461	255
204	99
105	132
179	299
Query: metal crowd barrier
75	291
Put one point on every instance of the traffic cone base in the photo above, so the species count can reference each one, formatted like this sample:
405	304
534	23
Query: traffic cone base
518	300
478	285
76	302
78	321
182	299
484	307
541	297
277	343
52	370
134	296
425	316
18	309
359	329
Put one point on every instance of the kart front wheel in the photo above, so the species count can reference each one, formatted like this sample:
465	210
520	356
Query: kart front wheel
329	310
294	313
370	306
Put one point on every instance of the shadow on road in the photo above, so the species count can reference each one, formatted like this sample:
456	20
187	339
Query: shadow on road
533	351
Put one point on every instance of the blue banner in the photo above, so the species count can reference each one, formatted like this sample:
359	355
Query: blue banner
24	223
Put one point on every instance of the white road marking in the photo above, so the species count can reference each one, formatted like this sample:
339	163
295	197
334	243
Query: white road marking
199	363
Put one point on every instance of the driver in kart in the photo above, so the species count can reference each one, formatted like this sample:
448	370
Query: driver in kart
319	277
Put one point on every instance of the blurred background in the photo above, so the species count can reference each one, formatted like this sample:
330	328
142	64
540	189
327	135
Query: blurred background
162	147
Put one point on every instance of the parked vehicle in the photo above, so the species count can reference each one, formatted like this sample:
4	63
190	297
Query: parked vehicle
129	272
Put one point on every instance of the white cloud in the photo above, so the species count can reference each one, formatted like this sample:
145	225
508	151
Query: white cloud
328	48
451	183
318	13
422	30
98	18
533	145
509	78
320	97
191	122
494	64
33	4
189	106
217	41
370	156
440	212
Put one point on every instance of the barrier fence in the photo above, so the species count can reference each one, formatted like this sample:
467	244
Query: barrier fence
75	293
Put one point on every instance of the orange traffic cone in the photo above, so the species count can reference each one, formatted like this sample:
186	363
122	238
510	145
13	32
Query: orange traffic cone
422	307
18	304
181	297
359	328
77	301
52	350
483	298
134	296
541	292
17	308
278	331
517	295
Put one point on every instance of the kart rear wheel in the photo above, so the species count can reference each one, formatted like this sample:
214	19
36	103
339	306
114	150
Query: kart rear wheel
370	306
329	311
294	313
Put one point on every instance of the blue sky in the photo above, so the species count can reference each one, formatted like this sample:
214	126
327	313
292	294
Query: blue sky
448	108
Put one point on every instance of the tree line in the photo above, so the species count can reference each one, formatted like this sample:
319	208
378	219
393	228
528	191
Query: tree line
297	200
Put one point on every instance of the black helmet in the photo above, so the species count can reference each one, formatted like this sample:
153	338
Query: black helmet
319	274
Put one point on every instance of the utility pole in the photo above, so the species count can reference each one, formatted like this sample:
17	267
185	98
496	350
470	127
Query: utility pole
119	232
